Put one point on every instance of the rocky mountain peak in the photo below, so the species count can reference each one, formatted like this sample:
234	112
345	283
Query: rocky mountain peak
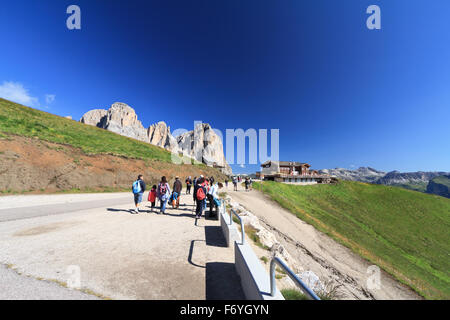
201	144
94	117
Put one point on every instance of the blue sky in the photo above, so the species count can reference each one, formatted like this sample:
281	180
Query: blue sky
341	95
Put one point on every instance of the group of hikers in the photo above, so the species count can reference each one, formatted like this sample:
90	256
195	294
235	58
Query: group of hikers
204	190
238	179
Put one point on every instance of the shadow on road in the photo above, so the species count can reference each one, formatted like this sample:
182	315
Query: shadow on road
222	282
120	210
191	251
214	236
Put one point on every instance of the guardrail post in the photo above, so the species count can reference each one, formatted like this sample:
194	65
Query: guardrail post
273	286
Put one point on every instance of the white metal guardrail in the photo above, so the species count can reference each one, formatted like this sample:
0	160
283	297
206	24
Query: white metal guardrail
242	224
277	261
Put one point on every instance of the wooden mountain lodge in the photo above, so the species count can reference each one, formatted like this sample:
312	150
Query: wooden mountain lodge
291	172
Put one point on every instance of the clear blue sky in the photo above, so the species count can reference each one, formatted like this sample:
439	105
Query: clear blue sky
341	95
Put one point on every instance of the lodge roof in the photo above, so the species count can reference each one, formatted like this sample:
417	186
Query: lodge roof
286	163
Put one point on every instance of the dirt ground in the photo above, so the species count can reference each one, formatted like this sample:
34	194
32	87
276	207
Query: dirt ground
316	252
32	165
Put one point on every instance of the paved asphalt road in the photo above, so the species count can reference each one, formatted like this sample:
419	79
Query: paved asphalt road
60	208
120	255
14	286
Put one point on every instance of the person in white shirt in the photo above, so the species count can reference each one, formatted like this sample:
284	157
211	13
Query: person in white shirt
213	197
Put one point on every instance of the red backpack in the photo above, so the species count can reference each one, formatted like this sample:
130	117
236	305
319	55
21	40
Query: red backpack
200	194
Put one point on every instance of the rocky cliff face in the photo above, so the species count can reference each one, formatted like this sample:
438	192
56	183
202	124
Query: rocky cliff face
159	135
201	144
122	119
396	177
204	145
363	174
94	117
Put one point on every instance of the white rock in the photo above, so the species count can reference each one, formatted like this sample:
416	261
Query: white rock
122	119
204	145
267	238
94	117
312	281
279	251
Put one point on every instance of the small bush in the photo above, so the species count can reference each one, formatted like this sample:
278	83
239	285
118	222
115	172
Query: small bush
292	294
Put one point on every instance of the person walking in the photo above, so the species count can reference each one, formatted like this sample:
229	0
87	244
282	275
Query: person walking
226	183
163	192
138	189
177	187
235	183
152	197
200	197
247	184
213	198
207	186
188	185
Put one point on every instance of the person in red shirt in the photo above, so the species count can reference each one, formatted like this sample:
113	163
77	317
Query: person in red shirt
152	197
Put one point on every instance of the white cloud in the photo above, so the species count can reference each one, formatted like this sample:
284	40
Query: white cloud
242	165
16	92
49	98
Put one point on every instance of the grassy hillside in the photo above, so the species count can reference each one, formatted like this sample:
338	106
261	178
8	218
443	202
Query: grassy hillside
23	121
44	153
404	232
421	187
444	180
440	186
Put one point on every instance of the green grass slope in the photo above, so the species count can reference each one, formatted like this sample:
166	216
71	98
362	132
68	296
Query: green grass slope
23	121
440	186
444	180
421	187
404	232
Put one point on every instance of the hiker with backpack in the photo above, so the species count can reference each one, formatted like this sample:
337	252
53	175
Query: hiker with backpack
176	194
196	181
188	185
235	183
247	184
163	193
138	189
200	197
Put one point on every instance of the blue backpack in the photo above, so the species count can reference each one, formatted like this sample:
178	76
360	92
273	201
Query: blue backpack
136	187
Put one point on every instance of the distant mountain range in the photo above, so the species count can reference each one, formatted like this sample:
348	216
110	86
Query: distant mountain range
418	181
